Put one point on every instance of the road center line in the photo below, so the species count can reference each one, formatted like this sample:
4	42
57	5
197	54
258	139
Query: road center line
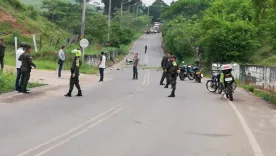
70	131
252	140
77	134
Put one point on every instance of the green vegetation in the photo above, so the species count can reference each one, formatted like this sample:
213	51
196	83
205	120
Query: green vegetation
225	30
266	95
7	80
55	26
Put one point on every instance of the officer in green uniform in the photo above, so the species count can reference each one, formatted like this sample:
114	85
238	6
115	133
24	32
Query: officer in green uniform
174	70
74	79
25	68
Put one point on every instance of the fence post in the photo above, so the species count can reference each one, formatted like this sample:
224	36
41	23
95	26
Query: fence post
15	44
40	43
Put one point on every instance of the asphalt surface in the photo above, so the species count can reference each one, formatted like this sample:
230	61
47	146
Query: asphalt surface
125	117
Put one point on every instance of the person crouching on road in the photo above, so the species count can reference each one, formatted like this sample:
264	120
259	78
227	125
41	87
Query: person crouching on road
74	79
26	69
19	52
173	75
135	67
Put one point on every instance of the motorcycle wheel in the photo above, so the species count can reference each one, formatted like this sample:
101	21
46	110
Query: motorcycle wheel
191	76
230	92
211	84
182	77
199	80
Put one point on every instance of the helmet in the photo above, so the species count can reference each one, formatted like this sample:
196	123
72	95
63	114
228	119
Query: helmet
23	44
76	52
226	67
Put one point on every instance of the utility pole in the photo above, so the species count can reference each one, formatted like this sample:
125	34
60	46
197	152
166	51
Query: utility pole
121	14
83	19
148	10
109	16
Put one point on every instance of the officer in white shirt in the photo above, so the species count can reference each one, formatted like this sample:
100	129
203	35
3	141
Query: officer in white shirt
102	66
19	51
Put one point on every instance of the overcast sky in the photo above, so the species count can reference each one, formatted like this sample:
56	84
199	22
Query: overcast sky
149	2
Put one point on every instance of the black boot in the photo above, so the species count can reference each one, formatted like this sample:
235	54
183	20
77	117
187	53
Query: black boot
68	94
172	94
167	86
79	93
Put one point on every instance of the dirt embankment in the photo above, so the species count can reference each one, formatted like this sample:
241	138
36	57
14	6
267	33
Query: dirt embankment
8	18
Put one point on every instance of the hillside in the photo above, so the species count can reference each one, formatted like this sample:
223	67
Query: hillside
23	21
36	2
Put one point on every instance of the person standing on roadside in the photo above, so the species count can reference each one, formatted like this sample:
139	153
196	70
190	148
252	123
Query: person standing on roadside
165	64
19	52
135	67
146	48
75	73
26	68
102	66
61	60
2	53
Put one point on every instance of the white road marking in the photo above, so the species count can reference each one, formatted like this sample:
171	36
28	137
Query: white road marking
148	78
145	75
252	140
77	134
68	132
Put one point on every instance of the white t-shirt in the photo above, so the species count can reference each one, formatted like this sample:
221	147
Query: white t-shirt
19	51
103	59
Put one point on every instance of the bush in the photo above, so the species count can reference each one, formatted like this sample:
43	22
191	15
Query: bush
7	80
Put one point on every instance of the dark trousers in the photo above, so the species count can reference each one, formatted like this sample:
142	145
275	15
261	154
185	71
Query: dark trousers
74	82
2	62
25	77
135	72
165	75
60	68
173	79
145	50
101	70
17	81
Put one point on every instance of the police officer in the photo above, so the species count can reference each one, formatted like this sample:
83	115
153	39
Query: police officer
166	65
75	67
26	68
174	70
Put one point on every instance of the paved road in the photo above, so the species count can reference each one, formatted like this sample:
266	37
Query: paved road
125	117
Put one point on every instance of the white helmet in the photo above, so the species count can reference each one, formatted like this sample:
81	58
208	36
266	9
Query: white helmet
226	67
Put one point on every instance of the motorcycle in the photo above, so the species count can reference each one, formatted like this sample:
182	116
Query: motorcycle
229	83
197	74
183	72
214	84
190	72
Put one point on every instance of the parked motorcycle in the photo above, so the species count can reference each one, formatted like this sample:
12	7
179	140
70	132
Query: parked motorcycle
183	72
190	73
197	74
229	83
214	84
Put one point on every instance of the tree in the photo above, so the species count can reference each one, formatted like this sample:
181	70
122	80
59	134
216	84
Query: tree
156	9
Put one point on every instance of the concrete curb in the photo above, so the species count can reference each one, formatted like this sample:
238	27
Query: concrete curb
15	95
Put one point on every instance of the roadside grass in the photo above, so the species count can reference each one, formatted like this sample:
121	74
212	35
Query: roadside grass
7	82
266	95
